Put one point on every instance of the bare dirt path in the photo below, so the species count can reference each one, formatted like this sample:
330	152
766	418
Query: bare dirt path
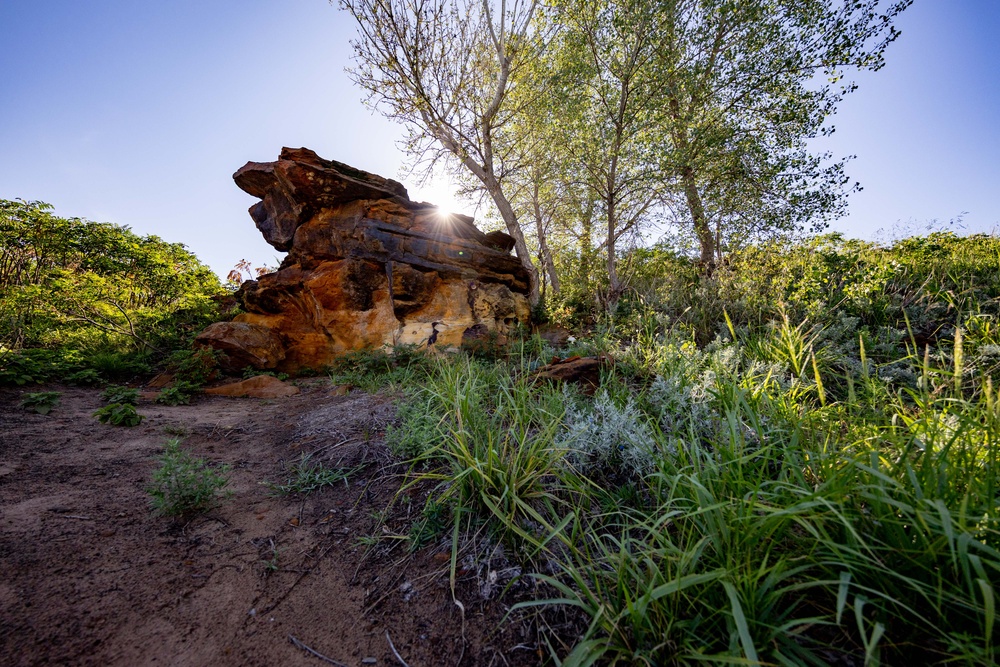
88	576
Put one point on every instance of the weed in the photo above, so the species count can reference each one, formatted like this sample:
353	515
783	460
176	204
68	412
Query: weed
372	369
431	525
196	366
308	476
41	402
184	485
118	414
88	377
271	564
250	372
178	393
118	394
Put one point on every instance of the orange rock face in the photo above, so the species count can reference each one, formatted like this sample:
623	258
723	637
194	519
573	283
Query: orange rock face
366	267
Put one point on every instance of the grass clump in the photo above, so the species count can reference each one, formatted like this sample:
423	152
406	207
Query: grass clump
183	485
308	475
370	370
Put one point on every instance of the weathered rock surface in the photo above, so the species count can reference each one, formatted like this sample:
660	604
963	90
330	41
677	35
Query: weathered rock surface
366	267
260	386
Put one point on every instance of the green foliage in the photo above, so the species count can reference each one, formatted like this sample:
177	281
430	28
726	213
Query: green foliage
785	472
178	393
117	394
250	372
97	291
88	377
430	526
183	485
118	414
402	365
37	365
308	475
196	366
41	402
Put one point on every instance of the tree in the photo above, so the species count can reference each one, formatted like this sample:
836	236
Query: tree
446	69
607	103
87	284
742	94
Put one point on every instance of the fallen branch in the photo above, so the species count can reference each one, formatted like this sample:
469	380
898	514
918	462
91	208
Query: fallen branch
319	655
394	651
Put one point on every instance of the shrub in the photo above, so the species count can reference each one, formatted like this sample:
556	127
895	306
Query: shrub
184	485
610	435
373	369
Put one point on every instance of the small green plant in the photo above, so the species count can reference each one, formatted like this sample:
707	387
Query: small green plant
271	563
250	372
308	476
178	393
88	377
119	394
41	402
372	369
432	523
196	366
118	414
184	485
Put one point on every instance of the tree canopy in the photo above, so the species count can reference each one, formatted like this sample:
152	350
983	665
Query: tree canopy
68	281
700	112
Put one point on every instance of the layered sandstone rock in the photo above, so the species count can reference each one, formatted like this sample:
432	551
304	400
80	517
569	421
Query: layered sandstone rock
366	267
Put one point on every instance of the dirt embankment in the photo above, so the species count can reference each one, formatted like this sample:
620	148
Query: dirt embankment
91	577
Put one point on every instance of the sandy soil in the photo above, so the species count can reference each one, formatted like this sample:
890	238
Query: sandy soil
91	577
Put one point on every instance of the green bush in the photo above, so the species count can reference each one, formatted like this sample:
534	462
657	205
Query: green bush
183	485
372	369
77	295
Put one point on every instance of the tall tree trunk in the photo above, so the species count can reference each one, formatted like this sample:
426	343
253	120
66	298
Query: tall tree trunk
614	286
706	238
543	245
489	180
520	245
587	242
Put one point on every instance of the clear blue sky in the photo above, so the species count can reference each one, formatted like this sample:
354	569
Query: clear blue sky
138	113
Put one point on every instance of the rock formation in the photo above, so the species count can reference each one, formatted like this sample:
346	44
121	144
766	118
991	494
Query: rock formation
366	267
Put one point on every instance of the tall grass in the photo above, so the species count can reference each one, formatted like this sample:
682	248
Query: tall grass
807	491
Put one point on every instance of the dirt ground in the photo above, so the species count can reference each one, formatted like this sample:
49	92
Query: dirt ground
89	576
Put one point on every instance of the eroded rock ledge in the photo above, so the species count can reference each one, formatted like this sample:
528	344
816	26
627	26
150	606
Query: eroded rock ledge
366	267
